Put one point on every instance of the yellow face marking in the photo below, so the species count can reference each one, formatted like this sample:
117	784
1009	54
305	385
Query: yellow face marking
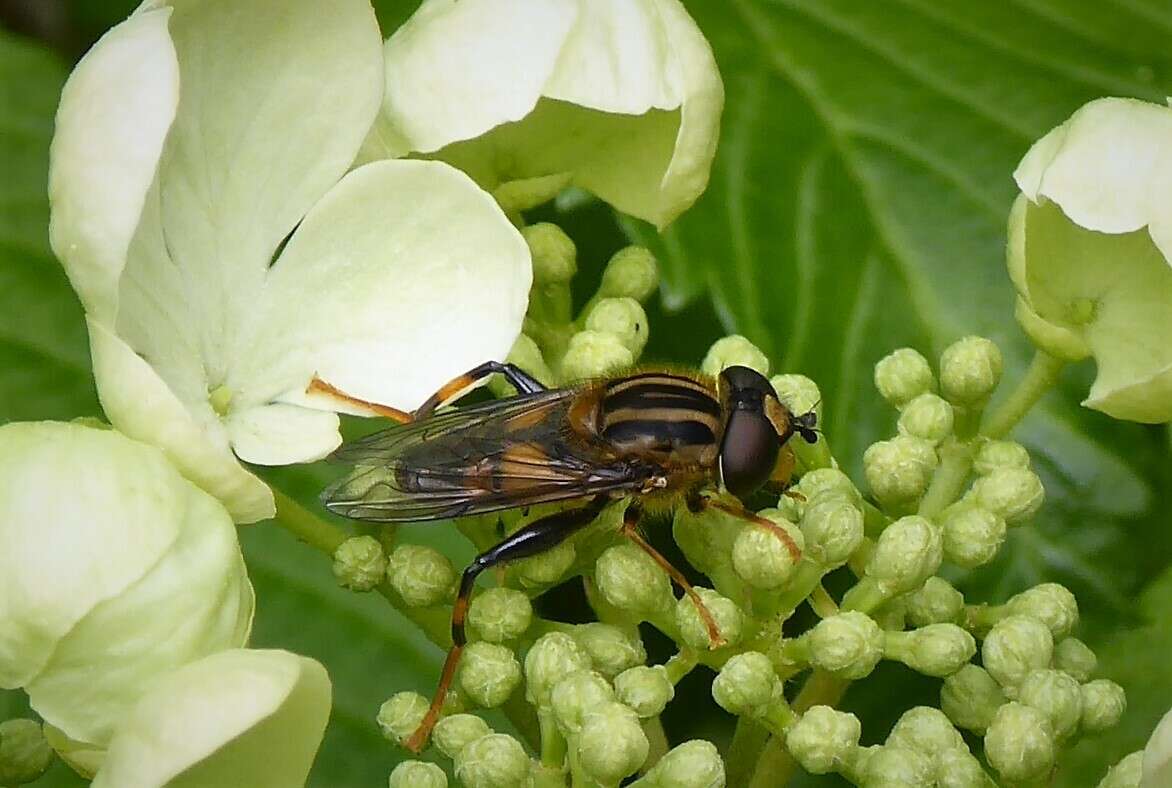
779	416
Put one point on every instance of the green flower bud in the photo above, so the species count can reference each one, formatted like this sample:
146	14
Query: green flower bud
928	416
489	673
897	767
454	732
823	740
1015	647
546	568
902	376
500	614
733	350
972	535
693	764
401	714
611	649
908	552
418	774
747	684
359	563
1015	494
594	354
729	619
927	731
1074	658
1000	454
1103	703
632	273
24	753
623	318
493	761
421	575
577	694
832	530
611	744
1056	695
970	697
829	483
849	645
934	650
969	371
936	602
1051	604
759	557
631	580
646	689
1128	773
552	657
899	470
958	768
798	392
555	258
1018	743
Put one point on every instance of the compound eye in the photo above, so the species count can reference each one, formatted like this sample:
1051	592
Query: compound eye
748	452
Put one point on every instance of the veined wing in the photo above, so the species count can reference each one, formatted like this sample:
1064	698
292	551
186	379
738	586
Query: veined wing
497	455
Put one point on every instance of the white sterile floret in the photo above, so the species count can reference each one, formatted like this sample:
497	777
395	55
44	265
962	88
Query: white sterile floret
622	100
1090	245
104	547
265	702
221	272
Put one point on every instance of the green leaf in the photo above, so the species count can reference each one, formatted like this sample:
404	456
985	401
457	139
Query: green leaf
859	203
44	359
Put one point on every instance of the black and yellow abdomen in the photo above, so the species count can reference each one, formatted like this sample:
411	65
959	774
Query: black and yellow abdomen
670	418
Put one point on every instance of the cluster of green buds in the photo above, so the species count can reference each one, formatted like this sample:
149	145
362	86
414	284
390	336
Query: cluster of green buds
940	495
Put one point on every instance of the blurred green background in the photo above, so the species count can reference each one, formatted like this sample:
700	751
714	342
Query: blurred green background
857	204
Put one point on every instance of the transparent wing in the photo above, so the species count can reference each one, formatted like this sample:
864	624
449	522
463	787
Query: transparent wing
497	455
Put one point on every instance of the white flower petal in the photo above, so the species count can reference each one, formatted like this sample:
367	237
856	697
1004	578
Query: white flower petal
1109	167
115	110
195	601
1157	758
84	514
275	100
138	402
455	70
627	100
238	717
282	434
403	277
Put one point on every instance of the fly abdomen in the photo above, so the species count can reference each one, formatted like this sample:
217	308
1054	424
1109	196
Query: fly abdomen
672	417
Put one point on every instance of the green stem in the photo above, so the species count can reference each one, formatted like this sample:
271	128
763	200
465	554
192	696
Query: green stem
307	526
776	766
748	740
553	744
1041	376
956	462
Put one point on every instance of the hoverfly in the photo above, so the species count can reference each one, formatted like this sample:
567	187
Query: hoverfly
659	438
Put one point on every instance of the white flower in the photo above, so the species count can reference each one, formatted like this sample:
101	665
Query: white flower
236	718
1090	251
1157	755
203	211
619	97
114	570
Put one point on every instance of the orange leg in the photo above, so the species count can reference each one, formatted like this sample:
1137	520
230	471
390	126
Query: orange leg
630	521
744	514
319	386
536	537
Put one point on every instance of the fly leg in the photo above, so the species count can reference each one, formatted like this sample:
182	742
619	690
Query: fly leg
630	531
782	476
521	380
698	503
536	537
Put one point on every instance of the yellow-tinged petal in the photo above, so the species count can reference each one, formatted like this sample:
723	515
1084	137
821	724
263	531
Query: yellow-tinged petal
239	717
